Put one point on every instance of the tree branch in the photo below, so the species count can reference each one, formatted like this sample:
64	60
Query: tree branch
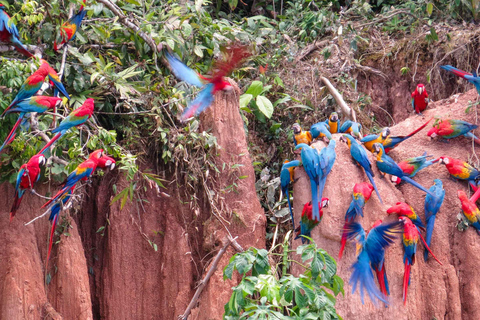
346	110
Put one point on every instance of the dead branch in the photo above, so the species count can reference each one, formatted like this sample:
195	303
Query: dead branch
371	70
310	48
346	110
213	268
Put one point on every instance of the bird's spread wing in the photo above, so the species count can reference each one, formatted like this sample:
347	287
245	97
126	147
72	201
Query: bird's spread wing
234	56
201	102
182	72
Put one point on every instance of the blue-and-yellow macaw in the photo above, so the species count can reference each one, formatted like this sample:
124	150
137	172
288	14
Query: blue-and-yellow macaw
470	77
69	29
300	136
387	165
360	156
307	223
76	118
333	122
390	142
371	250
451	128
371	139
320	130
235	55
286	177
352	128
9	33
311	163
326	159
432	206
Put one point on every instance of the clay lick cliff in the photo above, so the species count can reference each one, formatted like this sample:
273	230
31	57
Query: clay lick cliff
435	291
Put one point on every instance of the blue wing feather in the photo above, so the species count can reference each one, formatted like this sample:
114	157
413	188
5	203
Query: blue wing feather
184	73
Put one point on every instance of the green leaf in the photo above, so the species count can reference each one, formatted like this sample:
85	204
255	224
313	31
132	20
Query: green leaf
265	106
429	8
233	4
198	51
245	100
255	88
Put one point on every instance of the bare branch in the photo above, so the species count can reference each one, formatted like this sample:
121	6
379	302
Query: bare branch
346	110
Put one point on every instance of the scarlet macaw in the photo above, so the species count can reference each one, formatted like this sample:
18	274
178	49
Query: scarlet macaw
387	165
320	130
472	78
361	194
69	28
33	83
28	174
287	176
333	122
352	128
326	160
411	166
432	206
360	156
391	142
307	222
210	85
372	253
83	171
38	104
9	33
300	136
470	210
371	139
460	169
420	99
403	209
451	128
76	118
311	163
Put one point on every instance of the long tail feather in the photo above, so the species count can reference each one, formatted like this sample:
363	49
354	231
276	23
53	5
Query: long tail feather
370	177
50	242
416	184
321	186
343	242
12	132
418	129
363	275
55	138
381	277
315	211
475	138
476	195
428	240
16	204
406	281
56	197
428	248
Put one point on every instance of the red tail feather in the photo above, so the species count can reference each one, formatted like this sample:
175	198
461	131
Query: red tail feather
475	196
420	128
12	132
381	280
55	138
50	242
344	242
406	277
428	248
15	206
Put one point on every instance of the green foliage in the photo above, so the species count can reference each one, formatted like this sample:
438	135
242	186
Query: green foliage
261	294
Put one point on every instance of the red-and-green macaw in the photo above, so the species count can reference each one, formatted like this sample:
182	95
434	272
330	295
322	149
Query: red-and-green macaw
300	136
76	118
333	122
82	172
432	206
371	250
38	104
235	55
307	222
69	28
326	159
9	33
311	164
360	156
460	169
371	139
470	77
33	84
28	174
387	165
411	166
352	128
286	177
361	194
391	142
321	130
470	210
420	99
451	128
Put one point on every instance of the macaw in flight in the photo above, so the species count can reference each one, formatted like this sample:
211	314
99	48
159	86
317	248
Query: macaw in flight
33	84
420	99
76	118
326	160
451	128
371	139
38	104
69	28
83	171
321	130
387	165
9	33
371	250
470	77
432	206
411	166
311	164
307	222
470	210
360	156
361	194
352	128
28	174
300	136
333	122
235	55
460	169
287	177
391	142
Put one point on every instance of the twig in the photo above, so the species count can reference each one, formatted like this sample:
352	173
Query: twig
346	110
394	13
311	47
371	70
205	280
36	218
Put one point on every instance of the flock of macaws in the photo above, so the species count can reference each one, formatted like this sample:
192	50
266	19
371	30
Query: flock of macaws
371	245
27	102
